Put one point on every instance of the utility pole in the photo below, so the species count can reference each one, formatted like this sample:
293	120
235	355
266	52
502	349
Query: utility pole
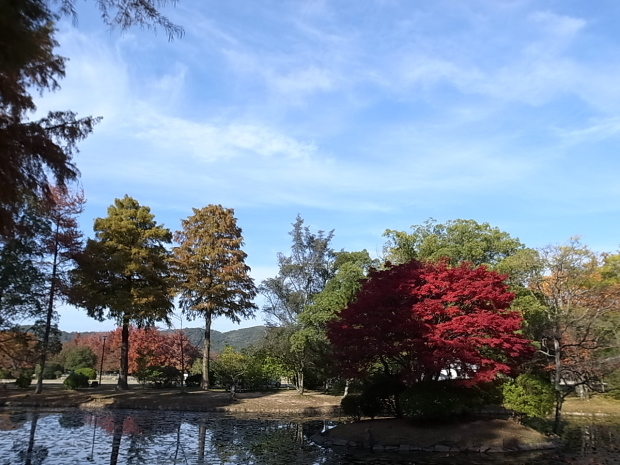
102	355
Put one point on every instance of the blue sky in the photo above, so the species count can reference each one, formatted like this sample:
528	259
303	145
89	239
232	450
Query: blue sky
359	116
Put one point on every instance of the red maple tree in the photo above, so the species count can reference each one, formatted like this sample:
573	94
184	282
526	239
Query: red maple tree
427	321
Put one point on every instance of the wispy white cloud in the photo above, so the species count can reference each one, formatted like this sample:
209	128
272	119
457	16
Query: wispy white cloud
367	114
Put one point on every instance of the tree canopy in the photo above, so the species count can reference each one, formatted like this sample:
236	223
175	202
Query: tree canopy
212	277
35	154
577	319
301	276
422	321
458	240
38	154
123	273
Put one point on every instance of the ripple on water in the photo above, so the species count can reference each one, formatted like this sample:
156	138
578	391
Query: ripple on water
157	437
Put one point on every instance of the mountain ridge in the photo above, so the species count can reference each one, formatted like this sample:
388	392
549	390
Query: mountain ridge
237	338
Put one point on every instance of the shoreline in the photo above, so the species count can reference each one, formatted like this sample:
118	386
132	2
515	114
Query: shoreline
495	435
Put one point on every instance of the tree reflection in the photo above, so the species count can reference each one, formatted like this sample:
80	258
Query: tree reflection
202	433
265	442
118	420
33	454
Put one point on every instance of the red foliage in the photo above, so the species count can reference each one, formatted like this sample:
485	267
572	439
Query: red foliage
423	320
147	346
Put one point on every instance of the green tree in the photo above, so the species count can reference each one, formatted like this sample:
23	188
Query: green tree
478	243
351	269
123	273
230	366
76	357
22	281
458	240
211	274
302	275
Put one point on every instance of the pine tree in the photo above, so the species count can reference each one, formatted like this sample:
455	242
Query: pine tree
124	271
212	277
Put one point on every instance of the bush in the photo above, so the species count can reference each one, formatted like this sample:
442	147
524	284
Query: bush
193	380
88	372
529	396
382	394
440	401
76	381
612	381
352	406
5	373
159	376
52	370
24	379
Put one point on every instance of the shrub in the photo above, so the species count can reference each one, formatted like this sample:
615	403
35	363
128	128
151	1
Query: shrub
159	376
5	373
612	381
352	406
193	380
88	372
24	379
76	381
440	401
361	405
52	370
382	394
530	396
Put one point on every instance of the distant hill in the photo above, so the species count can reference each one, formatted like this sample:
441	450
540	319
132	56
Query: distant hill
238	338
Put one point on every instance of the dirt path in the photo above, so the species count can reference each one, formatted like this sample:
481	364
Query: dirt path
270	404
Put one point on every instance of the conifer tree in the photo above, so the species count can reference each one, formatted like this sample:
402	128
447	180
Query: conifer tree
62	243
37	154
212	277
123	273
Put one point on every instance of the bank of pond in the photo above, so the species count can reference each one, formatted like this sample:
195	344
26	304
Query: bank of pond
77	436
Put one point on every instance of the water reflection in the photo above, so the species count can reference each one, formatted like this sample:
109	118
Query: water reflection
153	437
593	440
139	437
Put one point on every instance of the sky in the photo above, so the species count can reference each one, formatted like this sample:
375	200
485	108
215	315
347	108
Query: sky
358	116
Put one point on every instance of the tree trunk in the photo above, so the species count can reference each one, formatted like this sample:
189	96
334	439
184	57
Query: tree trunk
347	383
557	378
48	317
182	362
299	381
206	353
122	383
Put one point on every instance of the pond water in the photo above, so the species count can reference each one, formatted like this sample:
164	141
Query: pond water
154	437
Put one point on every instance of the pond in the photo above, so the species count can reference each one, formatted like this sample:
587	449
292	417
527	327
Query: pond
155	437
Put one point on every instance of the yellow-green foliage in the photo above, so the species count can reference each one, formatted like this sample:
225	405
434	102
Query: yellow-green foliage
529	395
